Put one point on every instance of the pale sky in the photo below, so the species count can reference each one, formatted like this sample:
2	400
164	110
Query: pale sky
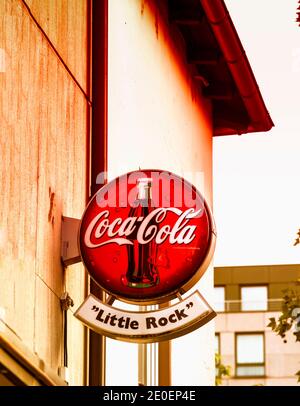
256	176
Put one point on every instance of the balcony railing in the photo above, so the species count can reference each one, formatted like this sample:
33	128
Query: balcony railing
232	306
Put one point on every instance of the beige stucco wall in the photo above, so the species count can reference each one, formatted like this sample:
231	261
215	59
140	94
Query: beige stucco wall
276	277
282	360
157	119
42	176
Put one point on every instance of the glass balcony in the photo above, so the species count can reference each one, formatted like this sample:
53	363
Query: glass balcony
233	306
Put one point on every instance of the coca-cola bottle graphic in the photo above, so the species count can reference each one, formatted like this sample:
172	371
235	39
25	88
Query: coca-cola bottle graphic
141	270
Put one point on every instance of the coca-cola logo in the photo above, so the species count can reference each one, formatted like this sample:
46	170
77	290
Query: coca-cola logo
151	246
117	230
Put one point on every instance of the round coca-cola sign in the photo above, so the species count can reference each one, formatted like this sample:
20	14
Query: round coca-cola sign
147	235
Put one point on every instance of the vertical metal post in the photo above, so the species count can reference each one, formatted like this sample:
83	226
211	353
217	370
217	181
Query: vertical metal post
164	359
99	46
148	360
142	364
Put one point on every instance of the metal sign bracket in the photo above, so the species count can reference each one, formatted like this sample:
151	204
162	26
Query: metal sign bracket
69	246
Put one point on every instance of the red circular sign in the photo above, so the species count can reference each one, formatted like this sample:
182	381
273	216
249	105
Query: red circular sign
146	236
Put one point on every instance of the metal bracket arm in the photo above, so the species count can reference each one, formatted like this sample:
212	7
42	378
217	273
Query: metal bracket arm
69	246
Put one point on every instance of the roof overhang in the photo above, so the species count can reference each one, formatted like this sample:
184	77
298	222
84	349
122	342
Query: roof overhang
220	65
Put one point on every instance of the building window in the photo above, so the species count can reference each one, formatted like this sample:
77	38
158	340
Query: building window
219	302
217	343
217	354
254	298
250	355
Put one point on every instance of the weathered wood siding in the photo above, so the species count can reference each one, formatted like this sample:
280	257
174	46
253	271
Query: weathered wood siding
43	162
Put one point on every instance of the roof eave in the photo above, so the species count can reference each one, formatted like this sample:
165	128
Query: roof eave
239	66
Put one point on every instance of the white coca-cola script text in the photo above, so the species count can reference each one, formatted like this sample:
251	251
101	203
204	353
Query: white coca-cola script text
146	228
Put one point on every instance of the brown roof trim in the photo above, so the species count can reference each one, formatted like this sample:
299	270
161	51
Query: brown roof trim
238	64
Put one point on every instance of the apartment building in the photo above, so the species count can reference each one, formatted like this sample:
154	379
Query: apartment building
245	298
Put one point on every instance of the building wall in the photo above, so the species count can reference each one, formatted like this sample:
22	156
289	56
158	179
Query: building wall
157	119
282	360
43	161
276	277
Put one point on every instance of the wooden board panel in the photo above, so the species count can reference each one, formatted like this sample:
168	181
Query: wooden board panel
65	23
18	174
48	321
75	276
61	165
42	177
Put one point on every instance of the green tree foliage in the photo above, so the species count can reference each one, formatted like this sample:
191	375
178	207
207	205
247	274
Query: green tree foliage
221	370
289	317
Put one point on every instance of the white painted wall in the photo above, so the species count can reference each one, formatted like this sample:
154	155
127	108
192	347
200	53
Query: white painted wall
157	119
